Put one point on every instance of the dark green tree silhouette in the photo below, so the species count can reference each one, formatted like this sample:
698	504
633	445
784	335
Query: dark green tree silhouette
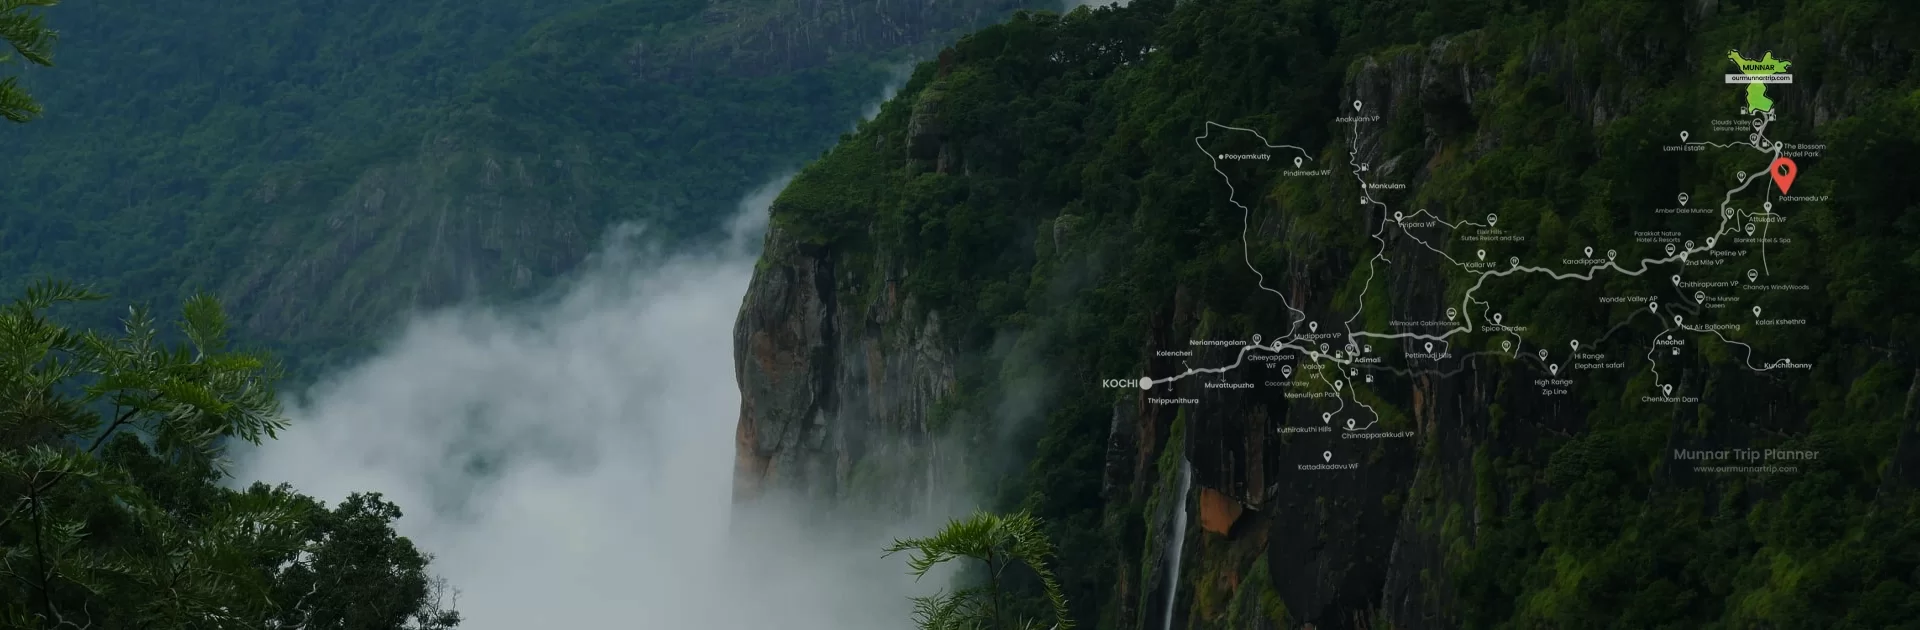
998	543
111	512
24	30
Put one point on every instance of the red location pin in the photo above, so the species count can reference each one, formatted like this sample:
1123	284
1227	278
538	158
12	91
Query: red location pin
1783	171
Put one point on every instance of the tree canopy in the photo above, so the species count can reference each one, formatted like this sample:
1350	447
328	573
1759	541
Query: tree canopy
111	508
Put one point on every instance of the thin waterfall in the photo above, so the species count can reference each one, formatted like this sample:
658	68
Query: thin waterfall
1179	541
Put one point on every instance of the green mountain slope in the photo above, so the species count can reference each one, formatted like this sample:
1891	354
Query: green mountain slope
325	166
1032	216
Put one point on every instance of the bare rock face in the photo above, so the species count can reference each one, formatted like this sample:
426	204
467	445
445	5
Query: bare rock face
836	384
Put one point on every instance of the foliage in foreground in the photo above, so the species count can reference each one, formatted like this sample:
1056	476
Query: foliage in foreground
111	512
999	543
26	33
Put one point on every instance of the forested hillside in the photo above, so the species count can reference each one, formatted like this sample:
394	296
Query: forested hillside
1031	215
325	166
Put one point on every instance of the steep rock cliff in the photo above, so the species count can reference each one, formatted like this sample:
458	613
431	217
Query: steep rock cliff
1040	182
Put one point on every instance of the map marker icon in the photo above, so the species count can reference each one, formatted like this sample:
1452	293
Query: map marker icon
1482	254
1329	454
1576	345
1492	219
1313	326
1670	249
1756	310
1555	369
1429	347
1451	314
1496	318
1666	389
1783	170
1349	424
1296	162
1356	106
1610	254
1749	229
1683	136
1506	346
1676	279
1589	251
1753	275
1543	354
1325	416
1653	306
1286	371
1683	199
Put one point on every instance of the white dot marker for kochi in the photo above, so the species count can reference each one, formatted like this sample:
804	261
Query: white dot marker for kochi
1146	382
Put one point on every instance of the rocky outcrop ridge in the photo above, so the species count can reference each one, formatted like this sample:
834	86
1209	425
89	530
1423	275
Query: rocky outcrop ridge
837	382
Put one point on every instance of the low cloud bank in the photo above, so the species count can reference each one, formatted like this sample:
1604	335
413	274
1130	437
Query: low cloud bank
569	462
